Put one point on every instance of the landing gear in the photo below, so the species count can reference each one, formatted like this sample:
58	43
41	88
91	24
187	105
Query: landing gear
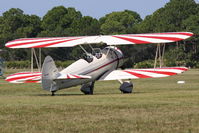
126	87
53	93
88	88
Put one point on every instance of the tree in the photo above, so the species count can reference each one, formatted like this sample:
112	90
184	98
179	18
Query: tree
88	26
61	21
58	22
191	23
170	17
177	15
15	24
119	22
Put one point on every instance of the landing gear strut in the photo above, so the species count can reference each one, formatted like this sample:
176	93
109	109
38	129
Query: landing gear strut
53	93
88	88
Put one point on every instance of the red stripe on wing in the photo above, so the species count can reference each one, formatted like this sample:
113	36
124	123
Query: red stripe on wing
132	40
138	74
31	81
158	72
176	68
50	44
22	73
175	33
162	38
27	43
21	77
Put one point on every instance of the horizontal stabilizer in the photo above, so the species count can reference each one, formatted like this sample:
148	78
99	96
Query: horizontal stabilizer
108	39
24	77
143	73
72	76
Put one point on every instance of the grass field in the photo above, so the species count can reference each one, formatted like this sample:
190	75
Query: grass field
156	106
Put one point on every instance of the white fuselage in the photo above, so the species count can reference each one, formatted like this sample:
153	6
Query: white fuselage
111	59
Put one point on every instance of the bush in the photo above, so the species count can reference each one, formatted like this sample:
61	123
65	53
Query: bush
145	64
197	65
63	64
17	64
26	64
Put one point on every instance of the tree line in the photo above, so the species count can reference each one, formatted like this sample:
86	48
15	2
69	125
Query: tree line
176	15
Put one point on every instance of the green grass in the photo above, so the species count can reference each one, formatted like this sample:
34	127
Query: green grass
156	106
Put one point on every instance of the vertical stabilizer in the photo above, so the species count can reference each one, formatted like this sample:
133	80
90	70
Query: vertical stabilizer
49	73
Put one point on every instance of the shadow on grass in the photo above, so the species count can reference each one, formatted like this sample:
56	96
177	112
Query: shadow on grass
95	94
56	95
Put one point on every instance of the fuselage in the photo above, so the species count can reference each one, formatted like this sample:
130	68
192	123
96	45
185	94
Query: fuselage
110	59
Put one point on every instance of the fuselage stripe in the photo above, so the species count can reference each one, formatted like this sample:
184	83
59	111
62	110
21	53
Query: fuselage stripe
103	66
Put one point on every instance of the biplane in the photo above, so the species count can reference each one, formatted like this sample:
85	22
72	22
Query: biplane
100	64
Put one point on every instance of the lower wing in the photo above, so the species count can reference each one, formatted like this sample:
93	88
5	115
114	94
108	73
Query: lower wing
24	77
35	77
143	73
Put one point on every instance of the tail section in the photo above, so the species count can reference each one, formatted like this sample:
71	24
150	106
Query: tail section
49	72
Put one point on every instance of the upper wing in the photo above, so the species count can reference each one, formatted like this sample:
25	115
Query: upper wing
35	77
143	73
108	39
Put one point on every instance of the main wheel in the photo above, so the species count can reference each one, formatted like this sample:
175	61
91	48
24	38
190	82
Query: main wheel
126	87
88	88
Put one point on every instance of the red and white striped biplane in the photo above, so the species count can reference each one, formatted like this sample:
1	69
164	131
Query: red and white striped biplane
98	65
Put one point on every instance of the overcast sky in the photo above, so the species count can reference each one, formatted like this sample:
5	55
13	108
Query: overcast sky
94	8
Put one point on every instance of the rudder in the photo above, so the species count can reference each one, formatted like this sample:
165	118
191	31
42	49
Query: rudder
49	72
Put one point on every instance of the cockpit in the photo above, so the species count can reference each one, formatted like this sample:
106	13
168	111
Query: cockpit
88	57
97	53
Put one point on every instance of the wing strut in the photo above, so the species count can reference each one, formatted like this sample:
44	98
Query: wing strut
159	55
37	59
83	49
32	58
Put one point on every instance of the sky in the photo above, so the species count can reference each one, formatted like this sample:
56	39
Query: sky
93	8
